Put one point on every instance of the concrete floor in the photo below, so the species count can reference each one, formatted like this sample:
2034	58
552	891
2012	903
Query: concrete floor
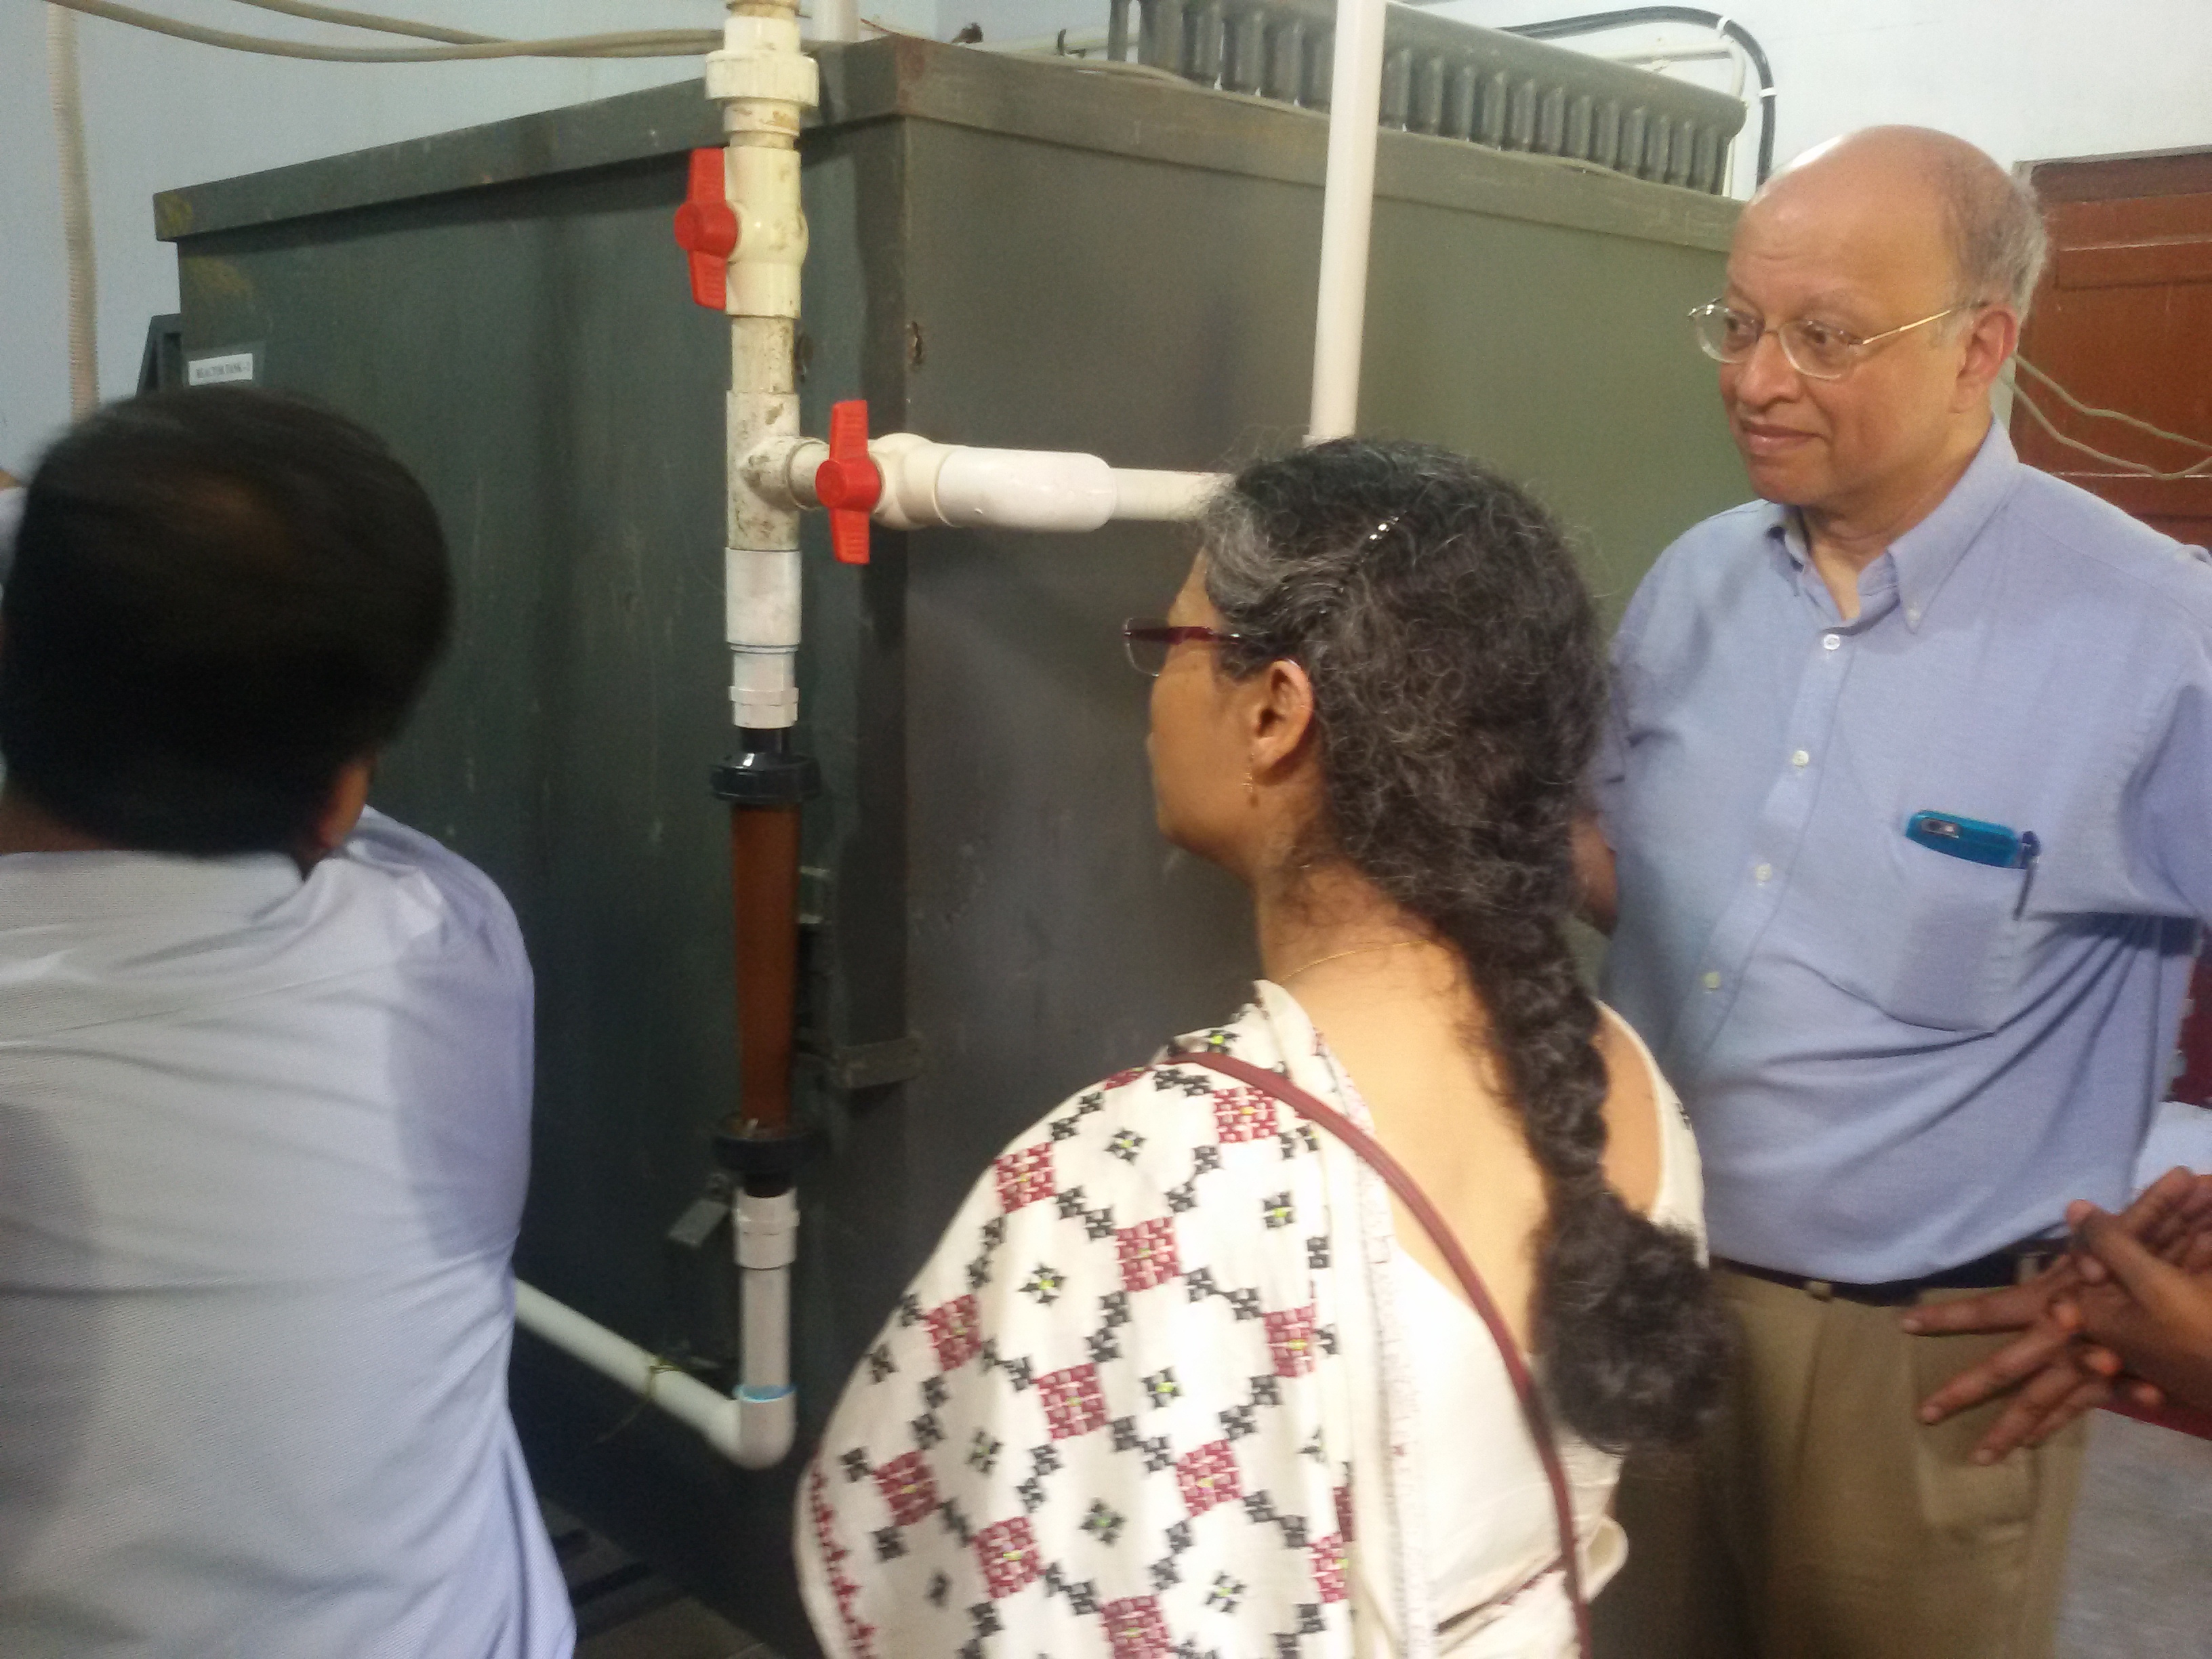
625	1610
679	1630
2139	1575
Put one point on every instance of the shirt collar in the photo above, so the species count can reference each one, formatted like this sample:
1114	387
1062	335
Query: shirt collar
47	889
1925	555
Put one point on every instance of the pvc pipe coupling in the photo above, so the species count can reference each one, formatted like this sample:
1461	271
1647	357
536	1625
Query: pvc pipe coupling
766	1236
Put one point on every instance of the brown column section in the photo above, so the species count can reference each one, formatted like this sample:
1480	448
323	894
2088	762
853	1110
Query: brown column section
764	887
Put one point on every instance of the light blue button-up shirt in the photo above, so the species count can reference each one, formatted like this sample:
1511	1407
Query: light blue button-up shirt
262	1148
1898	1061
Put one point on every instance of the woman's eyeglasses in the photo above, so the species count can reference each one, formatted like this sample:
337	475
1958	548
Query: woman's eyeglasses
1148	639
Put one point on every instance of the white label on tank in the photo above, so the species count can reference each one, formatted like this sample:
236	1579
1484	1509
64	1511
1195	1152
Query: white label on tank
216	371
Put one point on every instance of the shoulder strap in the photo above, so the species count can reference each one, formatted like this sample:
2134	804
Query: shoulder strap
1379	1158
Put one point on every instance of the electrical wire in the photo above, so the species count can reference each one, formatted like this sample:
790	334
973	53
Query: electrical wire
369	20
636	43
2133	469
458	44
1598	22
2081	408
62	89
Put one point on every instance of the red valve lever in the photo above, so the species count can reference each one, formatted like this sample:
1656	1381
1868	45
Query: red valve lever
707	229
848	484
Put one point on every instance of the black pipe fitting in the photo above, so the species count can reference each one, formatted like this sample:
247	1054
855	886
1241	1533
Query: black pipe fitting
765	773
764	1164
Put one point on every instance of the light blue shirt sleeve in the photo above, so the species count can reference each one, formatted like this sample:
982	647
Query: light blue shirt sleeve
2170	822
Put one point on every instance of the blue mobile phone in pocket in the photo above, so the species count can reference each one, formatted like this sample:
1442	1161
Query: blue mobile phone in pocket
1975	839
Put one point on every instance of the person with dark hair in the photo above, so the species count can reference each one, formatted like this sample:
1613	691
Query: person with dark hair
264	1071
1189	1372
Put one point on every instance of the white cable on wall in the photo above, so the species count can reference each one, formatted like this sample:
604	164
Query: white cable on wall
2123	418
368	19
77	208
2132	469
634	43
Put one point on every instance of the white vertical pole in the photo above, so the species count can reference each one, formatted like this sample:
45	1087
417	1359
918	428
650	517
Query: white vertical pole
1355	104
838	20
63	85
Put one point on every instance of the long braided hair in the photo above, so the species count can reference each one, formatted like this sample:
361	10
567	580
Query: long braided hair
1458	681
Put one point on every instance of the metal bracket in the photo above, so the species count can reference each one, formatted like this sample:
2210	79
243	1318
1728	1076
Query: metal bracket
703	1217
873	1065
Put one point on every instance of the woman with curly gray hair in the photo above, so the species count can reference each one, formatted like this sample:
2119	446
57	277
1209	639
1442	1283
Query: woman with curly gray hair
1201	1367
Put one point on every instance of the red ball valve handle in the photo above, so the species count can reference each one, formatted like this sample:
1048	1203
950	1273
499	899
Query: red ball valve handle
848	484
707	229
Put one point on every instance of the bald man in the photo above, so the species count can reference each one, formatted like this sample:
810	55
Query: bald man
1904	814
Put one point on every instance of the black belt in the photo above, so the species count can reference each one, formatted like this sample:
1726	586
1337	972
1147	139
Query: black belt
1990	1273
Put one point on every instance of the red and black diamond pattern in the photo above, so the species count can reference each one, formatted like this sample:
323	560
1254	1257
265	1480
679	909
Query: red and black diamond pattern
1025	1176
1008	1554
1072	1402
1147	1254
1155	1536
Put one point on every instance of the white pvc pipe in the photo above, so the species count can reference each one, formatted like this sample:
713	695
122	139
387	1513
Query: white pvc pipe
64	90
1355	106
836	20
1163	496
765	85
683	1396
1024	490
767	1243
752	1434
928	484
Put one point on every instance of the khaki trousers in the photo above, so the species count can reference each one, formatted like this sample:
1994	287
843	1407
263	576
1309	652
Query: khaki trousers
1821	1520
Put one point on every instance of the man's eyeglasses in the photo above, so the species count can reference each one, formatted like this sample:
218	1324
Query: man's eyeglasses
1148	639
1818	350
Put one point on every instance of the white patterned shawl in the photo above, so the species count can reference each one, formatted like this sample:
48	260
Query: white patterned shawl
1131	1405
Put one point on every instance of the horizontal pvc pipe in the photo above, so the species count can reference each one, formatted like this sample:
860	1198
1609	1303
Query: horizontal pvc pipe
1024	490
926	483
1163	496
753	1433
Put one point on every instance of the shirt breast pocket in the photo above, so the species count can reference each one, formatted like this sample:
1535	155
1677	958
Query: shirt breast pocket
1949	952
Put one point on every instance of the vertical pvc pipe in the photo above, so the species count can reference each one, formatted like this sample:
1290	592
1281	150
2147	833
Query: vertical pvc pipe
765	84
767	1233
63	86
838	20
1347	214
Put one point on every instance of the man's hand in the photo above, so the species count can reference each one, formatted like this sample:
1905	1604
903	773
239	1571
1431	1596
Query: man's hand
2057	1373
2155	1316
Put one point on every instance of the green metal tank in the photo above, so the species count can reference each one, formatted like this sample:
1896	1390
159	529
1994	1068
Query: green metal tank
1005	252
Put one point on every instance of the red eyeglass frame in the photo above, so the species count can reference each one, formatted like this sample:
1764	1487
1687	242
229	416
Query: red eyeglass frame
1146	630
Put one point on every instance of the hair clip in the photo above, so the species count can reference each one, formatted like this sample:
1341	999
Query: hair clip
1383	529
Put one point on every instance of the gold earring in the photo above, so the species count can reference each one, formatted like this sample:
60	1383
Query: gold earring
1251	789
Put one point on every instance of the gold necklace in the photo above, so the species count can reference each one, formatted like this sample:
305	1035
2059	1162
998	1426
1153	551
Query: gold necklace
1338	956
